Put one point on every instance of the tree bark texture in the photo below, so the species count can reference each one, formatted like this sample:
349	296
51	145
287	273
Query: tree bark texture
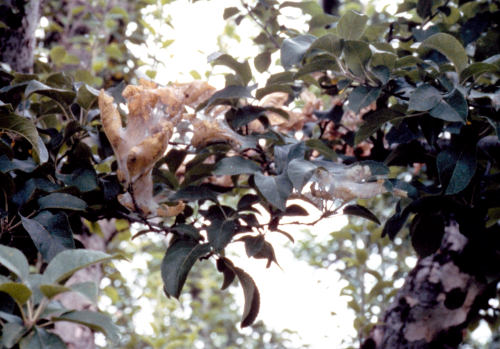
435	304
17	41
74	335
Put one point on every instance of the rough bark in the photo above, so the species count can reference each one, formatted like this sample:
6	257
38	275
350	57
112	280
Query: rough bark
17	41
435	304
77	336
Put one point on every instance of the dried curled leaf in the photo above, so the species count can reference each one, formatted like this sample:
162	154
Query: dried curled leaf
206	132
153	113
194	92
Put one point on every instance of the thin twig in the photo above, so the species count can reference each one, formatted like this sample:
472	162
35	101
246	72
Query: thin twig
260	25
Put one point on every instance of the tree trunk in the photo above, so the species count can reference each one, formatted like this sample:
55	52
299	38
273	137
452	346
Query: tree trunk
17	41
436	303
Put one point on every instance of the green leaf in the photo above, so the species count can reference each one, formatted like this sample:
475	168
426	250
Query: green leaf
264	91
351	25
61	201
86	289
95	321
229	274
12	333
230	12
360	211
275	189
69	262
308	7
220	234
457	165
262	61
52	290
235	165
300	172
188	230
281	78
328	43
293	50
374	121
424	8
87	97
50	233
178	261
478	68
246	114
357	54
324	150
253	244
321	63
192	193
242	69
362	96
424	98
84	178
296	210
427	231
65	97
227	93
252	297
41	339
267	252
247	201
452	107
21	293
15	261
448	46
24	128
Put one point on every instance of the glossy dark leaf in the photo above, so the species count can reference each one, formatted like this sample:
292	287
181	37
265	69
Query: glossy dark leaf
374	121
328	43
457	165
244	115
230	12
50	233
178	261
220	234
293	50
12	333
262	61
227	93
66	97
267	252
319	145
396	222
14	260
193	193
229	274
84	178
424	98
300	172
24	128
187	229
427	231
246	201
235	165
253	244
362	96
252	297
360	211
61	201
351	25
264	91
69	262
87	97
452	107
357	54
41	339
275	189
450	47
296	210
95	321
242	69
